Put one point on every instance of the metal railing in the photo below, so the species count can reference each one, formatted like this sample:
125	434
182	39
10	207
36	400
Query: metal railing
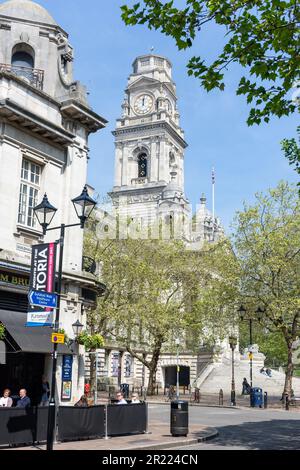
89	265
34	77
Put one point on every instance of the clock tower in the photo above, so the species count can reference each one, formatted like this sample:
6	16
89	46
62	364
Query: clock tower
149	155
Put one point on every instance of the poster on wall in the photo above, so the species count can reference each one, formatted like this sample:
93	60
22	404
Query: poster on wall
115	362
128	365
66	390
67	368
66	377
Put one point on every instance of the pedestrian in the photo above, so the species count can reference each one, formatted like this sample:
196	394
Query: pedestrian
246	387
24	400
88	395
121	400
135	399
83	402
6	401
45	389
269	372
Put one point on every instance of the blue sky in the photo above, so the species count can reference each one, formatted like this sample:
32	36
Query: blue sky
246	159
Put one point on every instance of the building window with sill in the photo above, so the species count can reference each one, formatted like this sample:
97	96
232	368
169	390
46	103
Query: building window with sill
29	192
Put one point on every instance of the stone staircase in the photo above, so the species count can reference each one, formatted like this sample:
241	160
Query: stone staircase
219	377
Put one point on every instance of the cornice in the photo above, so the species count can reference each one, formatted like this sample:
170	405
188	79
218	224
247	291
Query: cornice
148	127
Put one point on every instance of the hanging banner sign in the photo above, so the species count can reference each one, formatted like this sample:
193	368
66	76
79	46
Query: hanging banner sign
43	267
42	279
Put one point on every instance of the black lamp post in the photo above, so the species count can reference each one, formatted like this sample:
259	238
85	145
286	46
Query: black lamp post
233	343
243	315
177	341
45	213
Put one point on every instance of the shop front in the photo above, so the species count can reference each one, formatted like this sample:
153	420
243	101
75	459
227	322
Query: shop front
26	352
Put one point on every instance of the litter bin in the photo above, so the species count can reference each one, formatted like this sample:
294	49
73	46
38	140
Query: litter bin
179	418
256	397
125	390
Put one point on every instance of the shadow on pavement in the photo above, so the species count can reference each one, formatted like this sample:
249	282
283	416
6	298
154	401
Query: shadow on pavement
263	435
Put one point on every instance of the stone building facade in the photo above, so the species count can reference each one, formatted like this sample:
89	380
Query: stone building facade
45	122
148	189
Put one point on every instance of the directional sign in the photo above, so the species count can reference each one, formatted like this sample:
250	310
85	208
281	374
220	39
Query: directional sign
42	299
58	338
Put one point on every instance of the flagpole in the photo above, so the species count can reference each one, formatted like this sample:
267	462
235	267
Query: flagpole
213	202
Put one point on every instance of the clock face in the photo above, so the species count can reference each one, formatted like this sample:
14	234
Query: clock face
143	104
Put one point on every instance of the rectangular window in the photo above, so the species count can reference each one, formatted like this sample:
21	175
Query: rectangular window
29	191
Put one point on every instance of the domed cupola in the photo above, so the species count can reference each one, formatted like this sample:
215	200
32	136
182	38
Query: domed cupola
172	190
26	10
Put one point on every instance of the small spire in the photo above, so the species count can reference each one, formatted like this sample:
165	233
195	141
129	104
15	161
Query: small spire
203	199
173	174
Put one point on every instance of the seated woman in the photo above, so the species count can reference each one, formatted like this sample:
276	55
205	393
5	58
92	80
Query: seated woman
6	401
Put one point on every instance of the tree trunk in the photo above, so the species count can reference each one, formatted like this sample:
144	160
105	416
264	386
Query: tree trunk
92	356
289	371
153	368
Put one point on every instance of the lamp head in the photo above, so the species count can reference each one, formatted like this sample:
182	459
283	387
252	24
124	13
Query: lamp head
77	328
232	342
44	213
242	312
84	206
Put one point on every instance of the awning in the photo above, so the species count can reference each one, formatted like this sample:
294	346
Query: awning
31	340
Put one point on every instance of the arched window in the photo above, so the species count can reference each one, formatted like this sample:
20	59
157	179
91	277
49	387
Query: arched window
142	165
22	59
22	56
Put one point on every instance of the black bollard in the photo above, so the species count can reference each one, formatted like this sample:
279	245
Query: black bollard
266	400
221	398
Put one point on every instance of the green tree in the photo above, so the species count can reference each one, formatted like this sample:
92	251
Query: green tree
266	244
292	152
261	36
156	291
272	345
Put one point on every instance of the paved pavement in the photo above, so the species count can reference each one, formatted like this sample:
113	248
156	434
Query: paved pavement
158	438
243	429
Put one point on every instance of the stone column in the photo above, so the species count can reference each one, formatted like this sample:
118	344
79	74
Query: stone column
162	160
153	160
125	166
118	164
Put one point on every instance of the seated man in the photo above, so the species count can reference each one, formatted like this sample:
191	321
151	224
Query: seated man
24	400
121	400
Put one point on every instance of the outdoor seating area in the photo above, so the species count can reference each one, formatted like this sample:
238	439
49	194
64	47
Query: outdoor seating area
29	426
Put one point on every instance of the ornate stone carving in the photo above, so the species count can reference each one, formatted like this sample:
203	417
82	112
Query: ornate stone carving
24	37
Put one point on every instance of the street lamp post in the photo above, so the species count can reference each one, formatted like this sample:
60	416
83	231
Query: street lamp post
233	343
177	368
243	312
45	213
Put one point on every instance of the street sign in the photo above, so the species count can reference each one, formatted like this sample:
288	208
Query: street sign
58	338
250	355
42	299
42	318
